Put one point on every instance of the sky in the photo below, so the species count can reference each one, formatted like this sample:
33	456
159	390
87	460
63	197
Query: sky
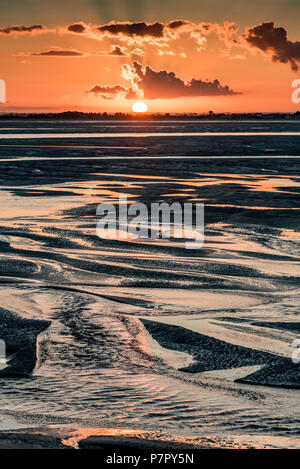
176	56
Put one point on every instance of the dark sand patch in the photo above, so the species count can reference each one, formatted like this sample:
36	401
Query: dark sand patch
284	374
30	439
281	325
20	337
213	354
117	443
101	439
286	326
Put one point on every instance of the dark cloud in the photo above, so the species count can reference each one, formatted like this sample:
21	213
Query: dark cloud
142	29
109	92
20	29
77	28
114	91
274	42
178	24
107	89
156	33
148	84
128	29
166	85
58	53
117	51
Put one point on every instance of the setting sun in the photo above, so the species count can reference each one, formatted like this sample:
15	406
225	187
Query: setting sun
139	107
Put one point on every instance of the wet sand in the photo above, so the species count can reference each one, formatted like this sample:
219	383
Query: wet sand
20	336
212	354
144	334
124	441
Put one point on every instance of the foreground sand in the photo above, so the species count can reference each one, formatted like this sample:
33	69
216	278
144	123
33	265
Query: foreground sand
59	438
111	439
214	355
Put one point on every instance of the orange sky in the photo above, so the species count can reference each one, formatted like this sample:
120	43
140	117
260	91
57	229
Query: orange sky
37	83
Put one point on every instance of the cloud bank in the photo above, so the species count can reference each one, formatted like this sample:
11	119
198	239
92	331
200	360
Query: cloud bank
149	84
57	53
166	85
21	29
274	43
265	37
112	92
115	51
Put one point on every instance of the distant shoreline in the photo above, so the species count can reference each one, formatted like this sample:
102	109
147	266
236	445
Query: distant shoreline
119	116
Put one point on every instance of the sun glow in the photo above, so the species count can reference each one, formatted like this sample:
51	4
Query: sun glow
139	107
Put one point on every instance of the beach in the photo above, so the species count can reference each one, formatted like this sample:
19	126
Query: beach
144	336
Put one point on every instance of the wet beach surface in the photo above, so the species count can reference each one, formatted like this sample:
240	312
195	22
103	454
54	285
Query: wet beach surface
143	333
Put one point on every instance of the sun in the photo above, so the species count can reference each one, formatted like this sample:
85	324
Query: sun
139	107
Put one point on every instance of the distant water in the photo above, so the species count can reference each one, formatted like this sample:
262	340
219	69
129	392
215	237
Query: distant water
97	364
142	138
